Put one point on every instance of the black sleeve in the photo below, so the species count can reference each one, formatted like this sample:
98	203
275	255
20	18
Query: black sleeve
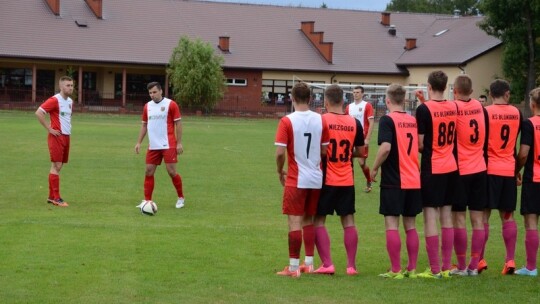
423	119
386	127
527	133
359	139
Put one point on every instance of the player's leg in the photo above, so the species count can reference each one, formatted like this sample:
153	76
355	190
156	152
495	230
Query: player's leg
365	169
413	245
508	200
531	245
460	241
322	242
293	207
482	264
431	214
393	244
477	240
149	181
170	157
447	238
308	229
350	240
59	153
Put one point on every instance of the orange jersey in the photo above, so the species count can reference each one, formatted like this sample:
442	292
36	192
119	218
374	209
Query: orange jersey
344	133
504	123
471	137
437	122
530	136
400	169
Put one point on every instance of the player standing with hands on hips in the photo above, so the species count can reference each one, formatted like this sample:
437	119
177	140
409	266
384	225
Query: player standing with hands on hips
161	119
59	107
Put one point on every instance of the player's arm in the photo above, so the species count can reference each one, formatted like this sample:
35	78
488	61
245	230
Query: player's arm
178	128
526	141
382	155
142	134
280	163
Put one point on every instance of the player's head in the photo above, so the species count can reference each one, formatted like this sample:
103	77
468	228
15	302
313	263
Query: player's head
483	100
66	85
358	92
463	85
437	80
155	91
534	99
333	95
301	93
395	93
499	88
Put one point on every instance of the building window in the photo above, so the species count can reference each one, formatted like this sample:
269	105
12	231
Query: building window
89	81
17	78
277	91
237	82
136	84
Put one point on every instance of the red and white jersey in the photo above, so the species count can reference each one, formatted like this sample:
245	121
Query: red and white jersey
362	111
302	133
60	110
160	119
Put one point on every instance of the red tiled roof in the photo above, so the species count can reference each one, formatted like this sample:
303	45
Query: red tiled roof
261	36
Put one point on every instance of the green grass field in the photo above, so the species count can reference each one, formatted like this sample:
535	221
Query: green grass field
223	247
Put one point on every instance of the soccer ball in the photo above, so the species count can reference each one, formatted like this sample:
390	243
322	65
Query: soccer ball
149	208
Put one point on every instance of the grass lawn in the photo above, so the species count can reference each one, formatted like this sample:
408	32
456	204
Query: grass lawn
223	247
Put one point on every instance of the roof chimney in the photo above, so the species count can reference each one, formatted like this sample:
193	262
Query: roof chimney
385	18
392	30
54	5
224	44
410	43
96	6
317	39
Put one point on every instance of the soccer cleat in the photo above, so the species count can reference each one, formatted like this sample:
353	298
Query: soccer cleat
306	268
60	203
50	200
509	267
411	274
141	204
288	273
526	272
458	272
368	187
472	272
392	275
482	265
180	203
325	270
352	271
445	274
429	275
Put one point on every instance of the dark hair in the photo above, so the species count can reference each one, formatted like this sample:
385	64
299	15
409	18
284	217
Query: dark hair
334	94
396	94
153	84
301	92
463	84
483	96
438	80
359	88
498	88
535	96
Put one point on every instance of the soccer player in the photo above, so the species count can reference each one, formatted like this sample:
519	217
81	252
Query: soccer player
400	181
529	156
436	120
161	119
337	195
471	189
299	138
59	107
483	100
503	126
363	112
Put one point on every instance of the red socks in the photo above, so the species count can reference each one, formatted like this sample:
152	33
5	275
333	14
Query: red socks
177	182
309	239
148	187
295	244
54	186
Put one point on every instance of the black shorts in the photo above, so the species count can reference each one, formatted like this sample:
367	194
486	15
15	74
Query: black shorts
438	189
336	198
530	198
471	191
396	202
502	193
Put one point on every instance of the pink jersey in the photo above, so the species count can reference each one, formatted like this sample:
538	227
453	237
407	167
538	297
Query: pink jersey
60	110
160	119
302	133
362	111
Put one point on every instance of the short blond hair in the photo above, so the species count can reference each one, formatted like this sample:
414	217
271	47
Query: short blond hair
396	94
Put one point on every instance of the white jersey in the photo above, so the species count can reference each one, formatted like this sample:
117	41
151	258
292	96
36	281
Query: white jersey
160	123
60	111
360	112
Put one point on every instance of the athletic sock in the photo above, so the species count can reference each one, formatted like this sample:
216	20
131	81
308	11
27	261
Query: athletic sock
295	244
477	240
350	239
413	245
294	264
486	237
393	246
510	235
177	182
148	187
309	240
531	247
432	248
460	247
447	242
54	185
322	241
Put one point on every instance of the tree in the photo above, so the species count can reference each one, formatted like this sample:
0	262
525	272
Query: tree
323	5
196	74
466	7
516	24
